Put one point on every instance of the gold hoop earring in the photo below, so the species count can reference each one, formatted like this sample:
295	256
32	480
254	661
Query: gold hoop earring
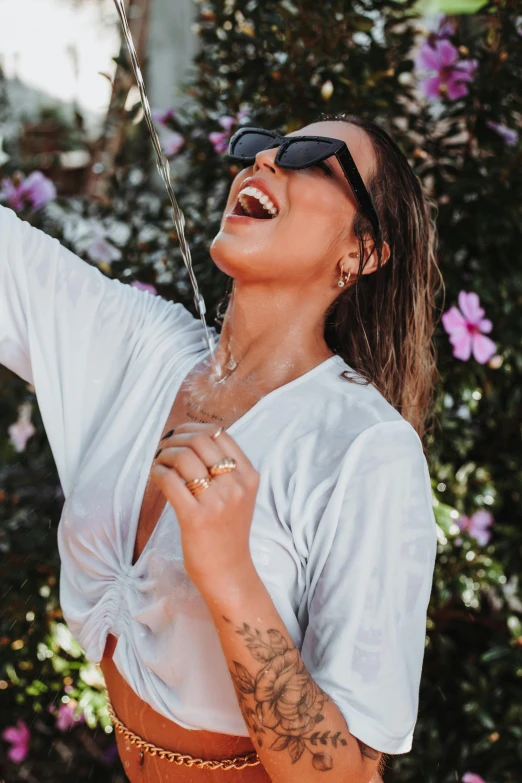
344	280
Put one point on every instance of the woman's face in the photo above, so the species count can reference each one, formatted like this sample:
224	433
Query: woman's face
313	230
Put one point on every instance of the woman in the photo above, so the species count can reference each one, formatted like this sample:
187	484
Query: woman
250	560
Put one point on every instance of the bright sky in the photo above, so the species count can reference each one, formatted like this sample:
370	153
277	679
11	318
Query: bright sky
40	40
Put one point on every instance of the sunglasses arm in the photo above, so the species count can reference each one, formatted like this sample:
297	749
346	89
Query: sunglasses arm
358	187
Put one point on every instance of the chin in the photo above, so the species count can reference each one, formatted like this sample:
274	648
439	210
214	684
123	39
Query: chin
233	255
221	253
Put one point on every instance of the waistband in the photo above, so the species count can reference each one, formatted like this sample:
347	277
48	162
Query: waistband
238	762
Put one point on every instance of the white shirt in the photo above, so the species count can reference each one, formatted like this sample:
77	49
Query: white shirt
343	534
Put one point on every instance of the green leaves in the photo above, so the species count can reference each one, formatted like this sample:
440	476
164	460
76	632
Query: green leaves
427	7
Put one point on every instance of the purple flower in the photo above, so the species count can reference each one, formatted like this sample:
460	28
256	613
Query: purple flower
510	136
465	329
477	527
220	139
450	76
12	194
39	189
439	27
162	117
144	287
102	252
19	737
65	718
446	29
36	191
23	429
171	143
470	777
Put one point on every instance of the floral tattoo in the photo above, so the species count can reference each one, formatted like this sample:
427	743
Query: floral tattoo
286	699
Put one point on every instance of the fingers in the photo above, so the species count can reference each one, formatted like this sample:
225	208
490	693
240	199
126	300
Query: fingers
191	451
199	444
183	502
187	434
193	426
187	463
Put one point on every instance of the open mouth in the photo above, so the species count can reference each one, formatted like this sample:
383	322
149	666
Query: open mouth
253	203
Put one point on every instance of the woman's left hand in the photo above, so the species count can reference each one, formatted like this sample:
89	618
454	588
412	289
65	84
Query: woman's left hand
215	524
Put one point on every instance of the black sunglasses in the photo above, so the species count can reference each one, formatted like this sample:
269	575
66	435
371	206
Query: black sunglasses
300	152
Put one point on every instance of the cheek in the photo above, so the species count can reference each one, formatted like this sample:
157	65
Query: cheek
317	216
316	202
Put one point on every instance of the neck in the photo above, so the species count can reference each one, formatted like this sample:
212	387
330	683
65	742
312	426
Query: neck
272	334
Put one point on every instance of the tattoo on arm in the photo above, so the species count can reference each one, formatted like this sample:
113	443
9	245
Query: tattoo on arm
286	700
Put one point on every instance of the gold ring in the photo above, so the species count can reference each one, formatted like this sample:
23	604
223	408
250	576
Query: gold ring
217	434
226	465
198	485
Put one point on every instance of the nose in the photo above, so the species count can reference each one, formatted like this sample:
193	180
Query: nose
266	160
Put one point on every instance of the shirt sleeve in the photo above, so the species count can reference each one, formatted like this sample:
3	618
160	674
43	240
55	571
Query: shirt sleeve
72	332
370	575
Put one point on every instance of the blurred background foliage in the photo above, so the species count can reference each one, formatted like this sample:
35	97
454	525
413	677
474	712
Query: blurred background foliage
280	64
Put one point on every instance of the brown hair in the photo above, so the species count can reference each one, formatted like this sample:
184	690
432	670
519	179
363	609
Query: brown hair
383	324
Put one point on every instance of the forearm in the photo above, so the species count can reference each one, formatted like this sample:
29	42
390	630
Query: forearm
296	728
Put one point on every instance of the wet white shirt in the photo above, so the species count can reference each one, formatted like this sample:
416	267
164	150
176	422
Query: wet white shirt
343	534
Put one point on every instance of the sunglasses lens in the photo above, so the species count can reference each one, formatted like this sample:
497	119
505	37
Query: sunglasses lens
249	144
302	153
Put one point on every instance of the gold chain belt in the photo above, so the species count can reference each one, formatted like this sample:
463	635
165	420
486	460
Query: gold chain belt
239	762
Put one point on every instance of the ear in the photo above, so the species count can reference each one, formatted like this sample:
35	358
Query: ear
371	261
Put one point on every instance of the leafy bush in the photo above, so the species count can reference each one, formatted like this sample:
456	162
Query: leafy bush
450	91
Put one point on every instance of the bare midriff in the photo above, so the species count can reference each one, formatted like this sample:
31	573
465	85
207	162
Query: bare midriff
140	718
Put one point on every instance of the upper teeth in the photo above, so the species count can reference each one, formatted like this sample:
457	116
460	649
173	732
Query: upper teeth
261	197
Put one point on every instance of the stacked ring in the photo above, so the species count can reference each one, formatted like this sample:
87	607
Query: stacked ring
198	485
226	465
216	435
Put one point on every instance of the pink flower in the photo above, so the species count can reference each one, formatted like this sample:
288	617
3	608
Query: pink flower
470	777
20	737
102	252
12	194
441	56
35	191
476	526
508	135
465	329
171	143
446	29
23	429
220	139
66	718
144	287
162	117
39	189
